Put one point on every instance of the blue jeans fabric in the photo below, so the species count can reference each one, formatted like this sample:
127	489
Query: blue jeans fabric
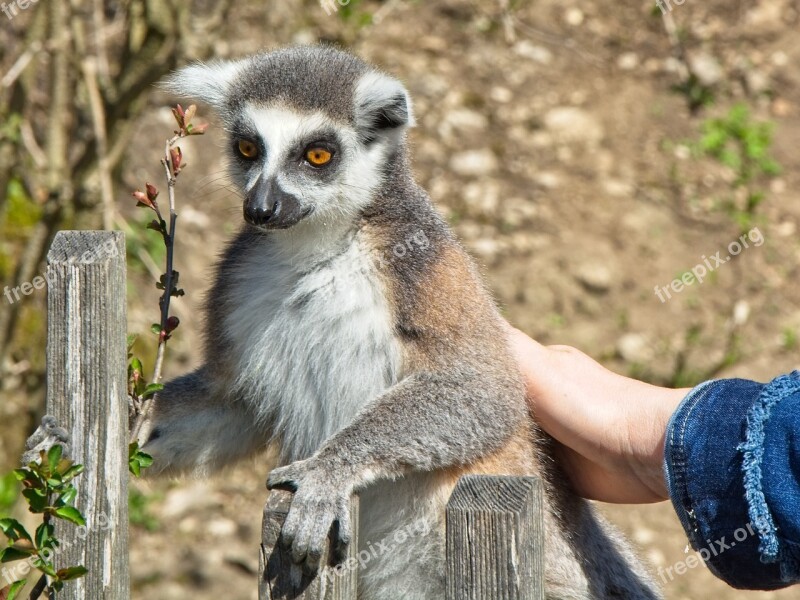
732	463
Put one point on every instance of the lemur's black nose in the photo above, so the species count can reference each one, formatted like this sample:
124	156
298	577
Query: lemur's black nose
258	214
269	206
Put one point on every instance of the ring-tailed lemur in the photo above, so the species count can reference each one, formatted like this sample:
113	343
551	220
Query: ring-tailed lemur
348	324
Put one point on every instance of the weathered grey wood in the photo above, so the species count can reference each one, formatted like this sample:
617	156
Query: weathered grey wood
86	392
495	539
280	579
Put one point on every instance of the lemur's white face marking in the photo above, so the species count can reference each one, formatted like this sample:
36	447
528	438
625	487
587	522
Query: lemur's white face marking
293	166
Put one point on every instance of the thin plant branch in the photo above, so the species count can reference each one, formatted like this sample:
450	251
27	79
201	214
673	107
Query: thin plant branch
28	138
20	64
89	68
172	163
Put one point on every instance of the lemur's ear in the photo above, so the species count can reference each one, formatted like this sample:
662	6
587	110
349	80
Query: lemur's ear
382	106
204	82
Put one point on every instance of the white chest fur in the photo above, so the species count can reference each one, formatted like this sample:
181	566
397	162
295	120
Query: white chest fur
313	341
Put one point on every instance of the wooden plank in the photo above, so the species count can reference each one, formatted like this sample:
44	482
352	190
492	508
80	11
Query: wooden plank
86	393
495	539
280	579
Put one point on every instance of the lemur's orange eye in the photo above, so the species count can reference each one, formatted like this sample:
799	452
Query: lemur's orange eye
318	157
247	149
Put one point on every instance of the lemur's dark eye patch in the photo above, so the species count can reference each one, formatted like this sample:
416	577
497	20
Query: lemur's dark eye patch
247	149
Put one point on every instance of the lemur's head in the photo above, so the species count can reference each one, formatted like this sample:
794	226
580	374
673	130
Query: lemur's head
311	129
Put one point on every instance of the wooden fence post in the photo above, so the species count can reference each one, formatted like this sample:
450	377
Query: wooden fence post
280	579
86	393
495	539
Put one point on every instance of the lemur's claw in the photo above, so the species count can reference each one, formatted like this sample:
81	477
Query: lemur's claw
47	435
319	503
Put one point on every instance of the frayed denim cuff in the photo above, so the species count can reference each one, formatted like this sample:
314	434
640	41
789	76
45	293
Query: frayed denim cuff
732	463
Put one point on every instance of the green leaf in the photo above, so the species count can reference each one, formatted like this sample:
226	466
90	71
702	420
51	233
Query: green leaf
138	460
66	497
155	328
44	534
72	472
136	365
144	459
71	573
47	569
10	554
152	390
54	457
15	589
37	500
14	530
71	514
30	478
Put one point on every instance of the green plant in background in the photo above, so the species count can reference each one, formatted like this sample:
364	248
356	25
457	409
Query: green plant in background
789	339
139	510
354	13
49	492
9	492
743	145
18	216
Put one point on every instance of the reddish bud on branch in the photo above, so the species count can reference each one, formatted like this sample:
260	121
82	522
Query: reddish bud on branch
172	324
176	158
178	114
152	192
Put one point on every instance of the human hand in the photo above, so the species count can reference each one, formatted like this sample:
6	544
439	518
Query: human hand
609	429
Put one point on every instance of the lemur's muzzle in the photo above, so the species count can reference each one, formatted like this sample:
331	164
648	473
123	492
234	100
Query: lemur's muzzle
269	207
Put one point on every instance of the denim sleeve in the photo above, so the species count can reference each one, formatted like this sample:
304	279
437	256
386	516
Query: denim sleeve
732	463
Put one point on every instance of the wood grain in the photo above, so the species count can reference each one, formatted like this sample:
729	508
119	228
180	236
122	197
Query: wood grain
86	393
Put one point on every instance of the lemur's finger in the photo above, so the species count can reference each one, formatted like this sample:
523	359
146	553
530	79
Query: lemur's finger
344	523
282	478
290	527
47	435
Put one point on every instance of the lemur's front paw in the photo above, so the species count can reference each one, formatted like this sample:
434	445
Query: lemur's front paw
47	435
321	502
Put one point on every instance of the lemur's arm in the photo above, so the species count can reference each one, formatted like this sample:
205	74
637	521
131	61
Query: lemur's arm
428	421
195	429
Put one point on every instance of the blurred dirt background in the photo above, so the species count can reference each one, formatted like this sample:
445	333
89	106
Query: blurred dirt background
585	152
